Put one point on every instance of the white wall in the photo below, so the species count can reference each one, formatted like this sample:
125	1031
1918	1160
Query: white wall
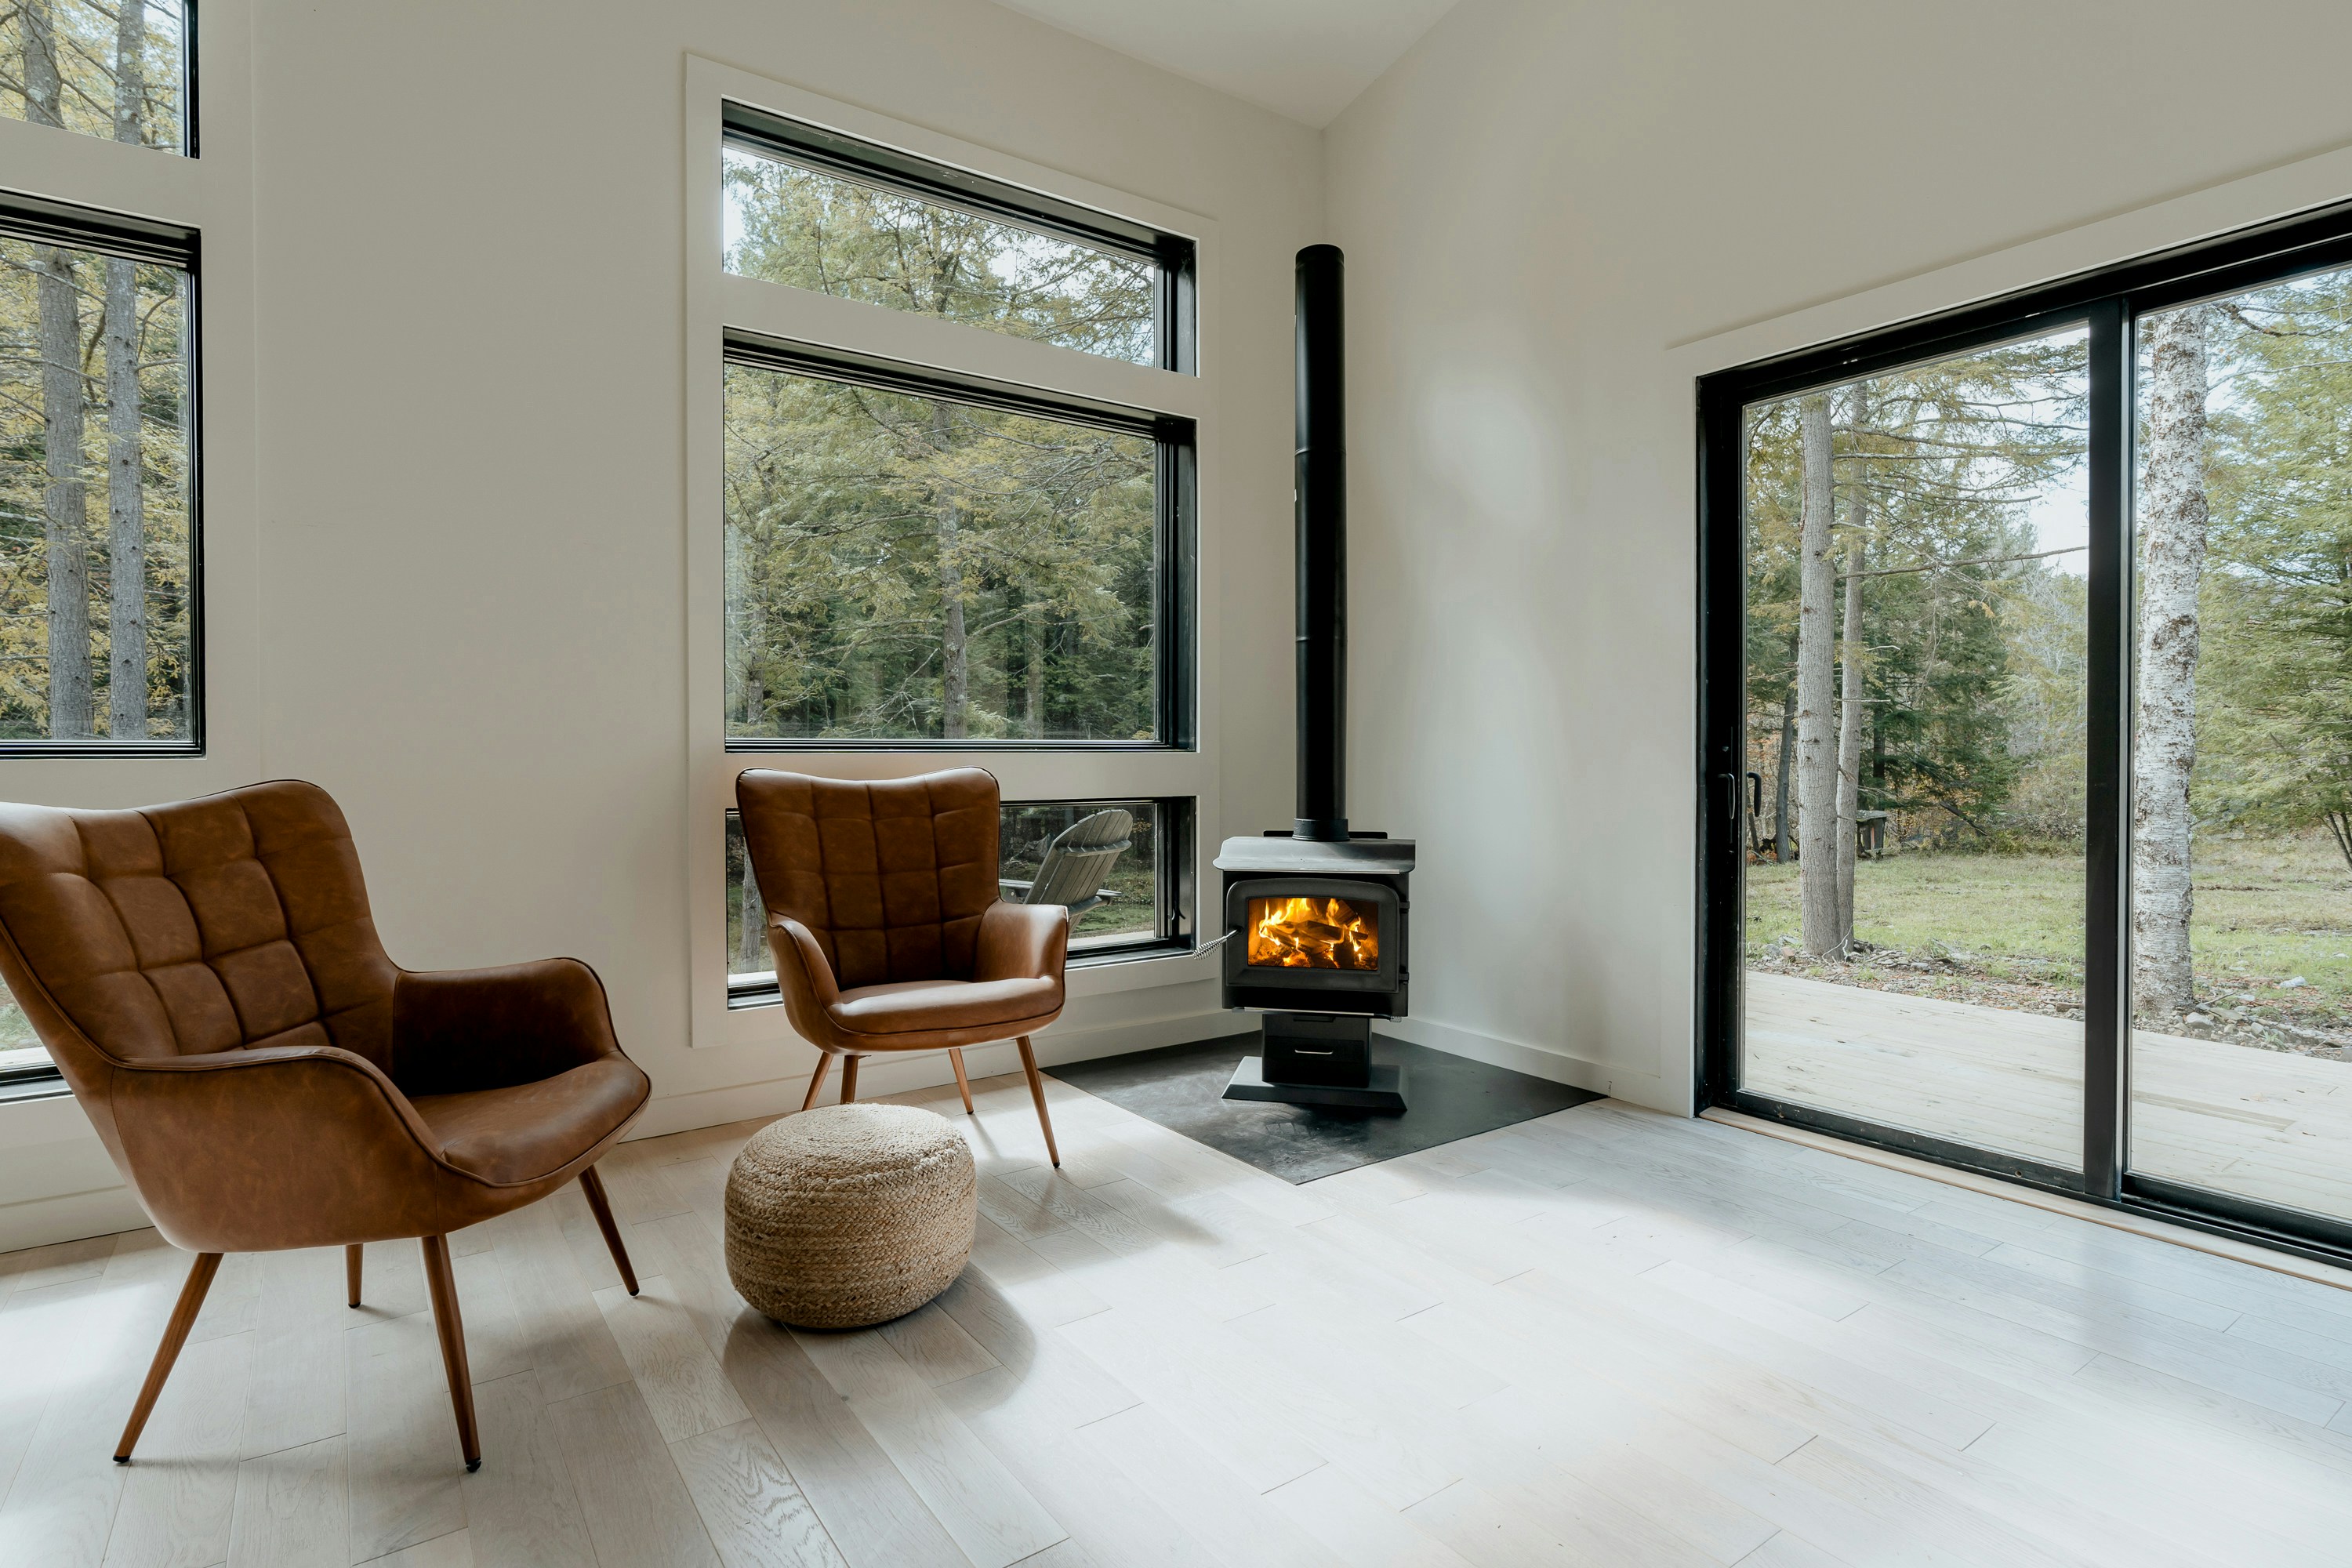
469	404
1538	203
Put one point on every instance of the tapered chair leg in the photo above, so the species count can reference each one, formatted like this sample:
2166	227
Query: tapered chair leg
593	1185
452	1345
175	1334
816	1078
848	1081
963	1083
1038	1093
354	1257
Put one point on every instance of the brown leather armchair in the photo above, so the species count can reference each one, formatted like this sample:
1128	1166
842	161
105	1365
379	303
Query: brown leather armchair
889	935
208	977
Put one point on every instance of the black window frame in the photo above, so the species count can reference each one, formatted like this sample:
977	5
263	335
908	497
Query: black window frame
2107	302
1175	529
1173	257
64	224
1174	819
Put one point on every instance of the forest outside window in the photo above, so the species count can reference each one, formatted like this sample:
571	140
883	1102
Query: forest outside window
1117	865
909	562
98	591
117	70
813	210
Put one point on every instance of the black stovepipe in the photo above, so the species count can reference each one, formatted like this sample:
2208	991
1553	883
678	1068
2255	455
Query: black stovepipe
1321	498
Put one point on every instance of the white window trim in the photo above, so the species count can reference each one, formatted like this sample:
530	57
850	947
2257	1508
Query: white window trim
718	302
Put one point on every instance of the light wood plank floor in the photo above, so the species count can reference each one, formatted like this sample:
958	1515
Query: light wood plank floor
2269	1125
1607	1337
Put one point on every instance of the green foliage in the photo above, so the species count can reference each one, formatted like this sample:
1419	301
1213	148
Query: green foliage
791	225
84	40
2274	679
1972	673
24	483
904	567
857	521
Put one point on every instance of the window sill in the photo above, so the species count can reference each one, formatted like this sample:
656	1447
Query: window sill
1090	974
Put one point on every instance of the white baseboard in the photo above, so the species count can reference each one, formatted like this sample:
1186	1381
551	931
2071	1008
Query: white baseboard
1646	1089
68	1216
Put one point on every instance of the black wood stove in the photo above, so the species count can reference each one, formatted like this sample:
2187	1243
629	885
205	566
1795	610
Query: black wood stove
1316	914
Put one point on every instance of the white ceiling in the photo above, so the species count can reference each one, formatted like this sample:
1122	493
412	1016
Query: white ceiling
1303	58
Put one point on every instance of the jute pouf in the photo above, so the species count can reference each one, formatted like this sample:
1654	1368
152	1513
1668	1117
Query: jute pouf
849	1214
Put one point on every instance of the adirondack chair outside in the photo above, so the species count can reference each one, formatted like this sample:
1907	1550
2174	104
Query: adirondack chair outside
1076	864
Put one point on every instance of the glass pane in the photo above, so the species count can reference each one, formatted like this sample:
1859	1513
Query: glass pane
1314	933
792	224
95	539
2242	810
1107	872
1123	905
1916	715
908	568
20	1048
104	70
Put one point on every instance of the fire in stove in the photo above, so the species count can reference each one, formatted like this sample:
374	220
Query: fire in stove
1313	933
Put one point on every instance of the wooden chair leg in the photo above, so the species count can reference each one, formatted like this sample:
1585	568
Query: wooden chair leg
175	1334
452	1345
354	1257
963	1084
593	1185
1038	1093
816	1078
848	1081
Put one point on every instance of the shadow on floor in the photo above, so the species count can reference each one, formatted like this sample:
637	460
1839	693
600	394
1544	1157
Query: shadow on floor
1447	1097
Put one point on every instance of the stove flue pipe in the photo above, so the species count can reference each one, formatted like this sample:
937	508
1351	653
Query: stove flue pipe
1321	498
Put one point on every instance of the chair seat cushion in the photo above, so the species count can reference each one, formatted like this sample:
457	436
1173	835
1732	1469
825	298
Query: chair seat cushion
907	1005
527	1131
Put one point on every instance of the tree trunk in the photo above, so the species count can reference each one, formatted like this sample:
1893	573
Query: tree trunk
2172	518
955	670
752	952
1784	843
1817	769
1034	658
65	525
126	538
1850	708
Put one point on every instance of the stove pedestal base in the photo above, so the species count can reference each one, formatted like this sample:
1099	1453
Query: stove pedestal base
1384	1090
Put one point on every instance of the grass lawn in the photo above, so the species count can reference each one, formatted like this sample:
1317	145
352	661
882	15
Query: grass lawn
2267	911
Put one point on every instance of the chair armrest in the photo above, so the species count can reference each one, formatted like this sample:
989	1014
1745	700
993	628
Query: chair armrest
1023	941
282	1146
458	1030
1008	885
804	975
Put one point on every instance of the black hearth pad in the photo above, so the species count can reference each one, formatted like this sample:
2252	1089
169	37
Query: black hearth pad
1449	1097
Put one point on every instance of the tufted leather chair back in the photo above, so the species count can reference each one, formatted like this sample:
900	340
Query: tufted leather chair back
892	878
240	920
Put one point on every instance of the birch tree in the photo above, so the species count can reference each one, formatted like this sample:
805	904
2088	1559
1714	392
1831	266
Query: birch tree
126	535
62	392
1817	767
1850	699
2172	527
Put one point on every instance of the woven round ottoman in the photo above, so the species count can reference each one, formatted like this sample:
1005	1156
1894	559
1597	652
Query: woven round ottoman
849	1214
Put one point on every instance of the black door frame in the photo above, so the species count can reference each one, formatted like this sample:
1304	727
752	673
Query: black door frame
2106	302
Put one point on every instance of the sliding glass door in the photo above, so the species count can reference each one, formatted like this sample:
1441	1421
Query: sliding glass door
2026	711
2242	787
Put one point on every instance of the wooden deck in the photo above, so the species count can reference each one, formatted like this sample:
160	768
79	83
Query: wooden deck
2262	1124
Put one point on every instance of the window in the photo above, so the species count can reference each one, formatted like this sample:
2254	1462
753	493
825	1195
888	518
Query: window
813	210
118	71
1119	866
98	608
2025	641
945	414
911	566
